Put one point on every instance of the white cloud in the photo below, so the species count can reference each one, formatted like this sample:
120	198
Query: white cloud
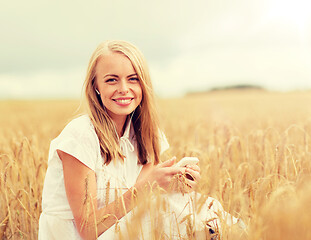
42	84
189	45
273	68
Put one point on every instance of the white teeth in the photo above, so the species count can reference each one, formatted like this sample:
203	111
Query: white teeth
123	101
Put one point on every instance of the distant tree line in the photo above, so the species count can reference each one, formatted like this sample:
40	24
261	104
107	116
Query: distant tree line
238	86
230	87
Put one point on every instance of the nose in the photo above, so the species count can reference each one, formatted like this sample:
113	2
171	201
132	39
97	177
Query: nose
123	87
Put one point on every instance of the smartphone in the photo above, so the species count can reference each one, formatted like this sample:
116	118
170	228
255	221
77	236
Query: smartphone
187	161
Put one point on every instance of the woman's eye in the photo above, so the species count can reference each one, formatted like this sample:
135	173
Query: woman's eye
111	80
134	79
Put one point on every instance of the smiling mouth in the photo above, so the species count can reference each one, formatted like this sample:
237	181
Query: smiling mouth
123	100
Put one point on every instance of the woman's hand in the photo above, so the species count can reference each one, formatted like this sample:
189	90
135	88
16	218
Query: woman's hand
160	175
164	176
193	176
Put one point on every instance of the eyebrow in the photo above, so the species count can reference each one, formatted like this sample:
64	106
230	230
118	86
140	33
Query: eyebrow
110	75
132	75
114	75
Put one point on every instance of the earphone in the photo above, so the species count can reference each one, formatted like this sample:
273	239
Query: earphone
97	91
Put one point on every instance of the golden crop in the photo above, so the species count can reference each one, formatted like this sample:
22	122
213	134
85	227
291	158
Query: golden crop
254	149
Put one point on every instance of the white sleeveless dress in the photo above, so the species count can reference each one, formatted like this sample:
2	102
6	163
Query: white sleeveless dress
80	140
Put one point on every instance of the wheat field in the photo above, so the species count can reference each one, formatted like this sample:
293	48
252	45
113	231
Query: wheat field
254	149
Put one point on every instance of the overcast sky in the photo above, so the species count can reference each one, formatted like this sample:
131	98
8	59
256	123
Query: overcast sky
189	45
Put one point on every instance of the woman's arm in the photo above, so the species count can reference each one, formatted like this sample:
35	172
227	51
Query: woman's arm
81	191
80	185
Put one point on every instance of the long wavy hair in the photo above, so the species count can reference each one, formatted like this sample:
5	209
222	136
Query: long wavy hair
145	117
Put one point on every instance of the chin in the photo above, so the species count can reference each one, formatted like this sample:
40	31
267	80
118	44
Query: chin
123	113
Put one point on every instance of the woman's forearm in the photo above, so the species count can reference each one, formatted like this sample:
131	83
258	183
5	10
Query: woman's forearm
92	226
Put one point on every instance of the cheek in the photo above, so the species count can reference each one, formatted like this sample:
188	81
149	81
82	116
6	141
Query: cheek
107	92
140	93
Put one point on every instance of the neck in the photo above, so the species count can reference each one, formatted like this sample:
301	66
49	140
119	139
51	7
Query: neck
120	125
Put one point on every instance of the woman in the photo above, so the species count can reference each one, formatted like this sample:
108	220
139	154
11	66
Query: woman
103	162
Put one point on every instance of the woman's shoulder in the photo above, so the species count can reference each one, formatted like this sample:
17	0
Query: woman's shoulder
79	126
79	140
80	121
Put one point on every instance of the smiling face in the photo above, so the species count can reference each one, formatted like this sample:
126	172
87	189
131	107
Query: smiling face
118	85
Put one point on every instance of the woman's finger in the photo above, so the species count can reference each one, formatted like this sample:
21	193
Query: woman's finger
195	174
191	185
194	167
174	170
168	163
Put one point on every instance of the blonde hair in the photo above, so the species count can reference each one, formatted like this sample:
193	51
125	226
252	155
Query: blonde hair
144	119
